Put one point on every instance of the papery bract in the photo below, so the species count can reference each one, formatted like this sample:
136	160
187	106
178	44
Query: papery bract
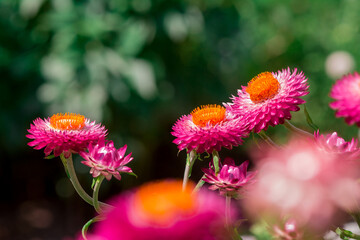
64	133
269	98
105	159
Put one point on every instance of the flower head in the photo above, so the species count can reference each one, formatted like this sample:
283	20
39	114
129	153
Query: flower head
346	93
161	210
208	128
106	160
269	98
64	133
306	183
231	179
334	143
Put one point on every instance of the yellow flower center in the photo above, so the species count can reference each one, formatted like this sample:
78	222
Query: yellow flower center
262	87
161	202
67	121
212	114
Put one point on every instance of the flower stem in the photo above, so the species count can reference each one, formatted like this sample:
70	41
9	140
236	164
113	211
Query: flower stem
267	139
87	225
96	202
345	234
199	184
70	171
190	159
297	130
227	210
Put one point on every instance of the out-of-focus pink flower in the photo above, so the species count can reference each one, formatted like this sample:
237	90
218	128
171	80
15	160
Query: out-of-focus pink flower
162	211
345	92
64	133
209	128
289	231
333	143
106	160
231	179
304	182
269	98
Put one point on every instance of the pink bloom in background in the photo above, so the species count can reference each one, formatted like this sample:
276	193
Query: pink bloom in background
106	160
64	133
306	183
162	211
346	93
269	98
231	179
334	143
209	128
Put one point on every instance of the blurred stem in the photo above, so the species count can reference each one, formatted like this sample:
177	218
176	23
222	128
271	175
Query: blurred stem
87	225
190	159
296	130
227	211
267	139
96	203
70	171
199	184
216	159
356	217
345	234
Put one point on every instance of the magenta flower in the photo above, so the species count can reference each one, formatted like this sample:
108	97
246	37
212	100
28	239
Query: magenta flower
345	92
209	128
162	211
231	179
106	160
64	133
334	143
269	98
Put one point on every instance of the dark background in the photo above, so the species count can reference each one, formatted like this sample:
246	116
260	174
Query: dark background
136	66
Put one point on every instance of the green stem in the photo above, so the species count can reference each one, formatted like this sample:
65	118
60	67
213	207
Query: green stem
344	234
356	217
199	184
297	130
267	139
191	157
216	159
70	171
87	225
227	210
96	202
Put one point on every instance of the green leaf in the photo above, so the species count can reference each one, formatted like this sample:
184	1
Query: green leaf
132	174
93	183
50	156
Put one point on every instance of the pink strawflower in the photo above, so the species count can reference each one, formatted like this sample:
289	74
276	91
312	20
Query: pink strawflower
64	133
231	179
269	97
162	211
334	143
346	93
306	183
209	128
106	160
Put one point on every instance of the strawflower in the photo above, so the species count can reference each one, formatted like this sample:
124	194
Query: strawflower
162	211
269	97
231	179
105	159
209	128
346	93
64	133
306	183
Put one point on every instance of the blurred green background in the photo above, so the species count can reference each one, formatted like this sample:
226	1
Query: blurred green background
136	66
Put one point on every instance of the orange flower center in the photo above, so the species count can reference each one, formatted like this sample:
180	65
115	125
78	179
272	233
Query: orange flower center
161	202
212	114
67	121
262	87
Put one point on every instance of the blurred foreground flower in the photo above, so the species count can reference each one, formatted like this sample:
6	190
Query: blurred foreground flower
269	98
346	92
301	181
208	128
335	144
64	133
231	179
105	159
161	210
289	231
